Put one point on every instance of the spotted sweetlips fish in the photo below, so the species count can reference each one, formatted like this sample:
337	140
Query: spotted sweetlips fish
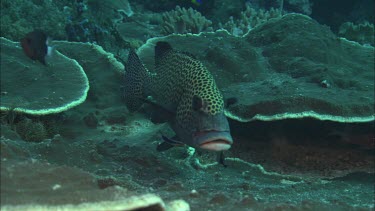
184	93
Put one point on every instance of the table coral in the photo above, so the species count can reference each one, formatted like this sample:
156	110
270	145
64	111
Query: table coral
33	88
276	71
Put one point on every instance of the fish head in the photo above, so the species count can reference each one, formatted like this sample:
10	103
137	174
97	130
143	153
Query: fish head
212	132
194	103
200	127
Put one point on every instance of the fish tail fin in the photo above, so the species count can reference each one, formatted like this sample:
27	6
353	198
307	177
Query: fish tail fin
135	77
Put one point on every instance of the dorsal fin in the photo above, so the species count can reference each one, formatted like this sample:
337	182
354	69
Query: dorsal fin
161	49
135	78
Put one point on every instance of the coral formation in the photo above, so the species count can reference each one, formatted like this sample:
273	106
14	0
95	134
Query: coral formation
285	82
19	17
182	21
121	6
289	73
165	5
108	13
8	116
29	130
33	88
102	68
249	19
362	33
85	31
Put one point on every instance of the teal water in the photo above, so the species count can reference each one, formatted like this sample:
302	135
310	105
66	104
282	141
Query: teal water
296	83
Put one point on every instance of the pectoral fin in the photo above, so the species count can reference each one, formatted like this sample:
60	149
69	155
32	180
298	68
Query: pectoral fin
158	113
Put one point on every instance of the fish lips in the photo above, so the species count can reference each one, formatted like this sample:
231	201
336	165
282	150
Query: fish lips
213	140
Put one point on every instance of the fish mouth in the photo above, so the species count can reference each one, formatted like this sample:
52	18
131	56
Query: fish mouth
213	140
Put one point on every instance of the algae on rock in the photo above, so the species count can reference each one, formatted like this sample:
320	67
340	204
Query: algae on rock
19	17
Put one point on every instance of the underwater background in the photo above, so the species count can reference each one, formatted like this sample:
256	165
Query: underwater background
297	85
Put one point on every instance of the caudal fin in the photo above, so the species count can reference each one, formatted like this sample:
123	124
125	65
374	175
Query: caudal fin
135	77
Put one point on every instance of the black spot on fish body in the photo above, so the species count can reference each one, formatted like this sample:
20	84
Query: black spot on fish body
161	49
197	103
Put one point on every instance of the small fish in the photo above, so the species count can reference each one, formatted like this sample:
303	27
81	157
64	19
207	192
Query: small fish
183	93
35	45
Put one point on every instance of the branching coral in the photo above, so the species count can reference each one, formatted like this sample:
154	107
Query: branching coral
249	19
361	33
182	20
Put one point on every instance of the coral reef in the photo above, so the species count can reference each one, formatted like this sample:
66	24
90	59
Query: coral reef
107	13
31	87
101	67
288	73
121	6
85	31
29	130
97	21
182	20
28	127
249	19
132	167
220	11
286	82
362	33
19	17
166	5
